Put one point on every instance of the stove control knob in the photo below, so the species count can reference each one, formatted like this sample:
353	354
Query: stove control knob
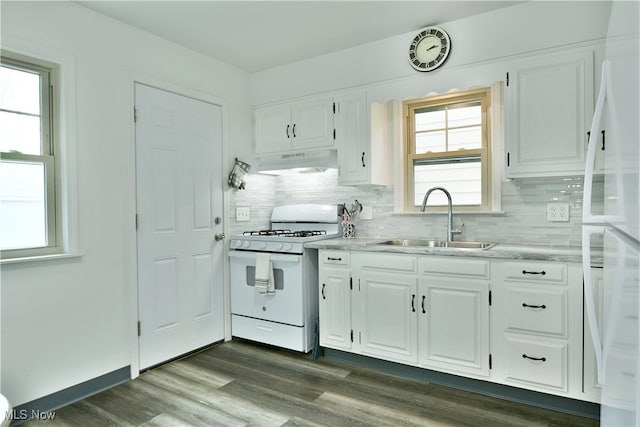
279	246
287	247
263	245
246	244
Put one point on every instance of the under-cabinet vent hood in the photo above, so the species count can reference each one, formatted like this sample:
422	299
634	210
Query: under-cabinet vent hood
297	162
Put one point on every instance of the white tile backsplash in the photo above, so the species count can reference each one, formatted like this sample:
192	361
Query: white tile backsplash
524	202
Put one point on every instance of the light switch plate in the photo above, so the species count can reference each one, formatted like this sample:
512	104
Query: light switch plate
558	212
367	212
243	213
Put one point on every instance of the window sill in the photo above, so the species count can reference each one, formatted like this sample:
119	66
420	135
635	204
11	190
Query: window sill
40	258
456	213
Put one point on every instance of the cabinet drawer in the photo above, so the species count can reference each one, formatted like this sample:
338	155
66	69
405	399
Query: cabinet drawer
537	311
544	272
328	257
388	262
454	267
537	363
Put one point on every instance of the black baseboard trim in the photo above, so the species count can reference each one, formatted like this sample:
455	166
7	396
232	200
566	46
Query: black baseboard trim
45	406
514	394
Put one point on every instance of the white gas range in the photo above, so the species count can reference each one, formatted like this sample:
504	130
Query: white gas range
286	315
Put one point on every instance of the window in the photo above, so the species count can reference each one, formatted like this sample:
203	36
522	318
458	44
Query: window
28	205
448	145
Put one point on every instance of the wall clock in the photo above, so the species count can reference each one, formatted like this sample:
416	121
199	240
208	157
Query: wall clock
429	49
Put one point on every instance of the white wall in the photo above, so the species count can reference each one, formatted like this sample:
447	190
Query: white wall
66	321
382	66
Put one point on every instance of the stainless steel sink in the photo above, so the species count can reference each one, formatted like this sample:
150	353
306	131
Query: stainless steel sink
409	243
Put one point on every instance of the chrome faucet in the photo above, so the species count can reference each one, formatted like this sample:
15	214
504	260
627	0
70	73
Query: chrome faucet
450	230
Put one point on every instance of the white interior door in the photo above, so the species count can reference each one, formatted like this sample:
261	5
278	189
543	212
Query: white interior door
179	201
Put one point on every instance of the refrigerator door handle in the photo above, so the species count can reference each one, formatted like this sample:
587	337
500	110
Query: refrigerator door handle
587	232
587	216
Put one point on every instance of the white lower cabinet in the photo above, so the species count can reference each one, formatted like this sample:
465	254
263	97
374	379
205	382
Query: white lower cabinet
387	292
453	315
537	329
517	323
335	300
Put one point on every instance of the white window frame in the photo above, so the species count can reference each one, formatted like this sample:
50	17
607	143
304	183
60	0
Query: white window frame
490	173
49	101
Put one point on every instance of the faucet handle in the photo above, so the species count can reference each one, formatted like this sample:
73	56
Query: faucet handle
458	230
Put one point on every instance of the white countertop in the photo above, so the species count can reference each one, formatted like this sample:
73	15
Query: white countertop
499	251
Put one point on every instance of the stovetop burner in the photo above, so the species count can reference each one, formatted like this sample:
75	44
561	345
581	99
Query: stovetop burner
285	233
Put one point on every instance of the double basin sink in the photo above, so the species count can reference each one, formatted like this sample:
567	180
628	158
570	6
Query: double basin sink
410	243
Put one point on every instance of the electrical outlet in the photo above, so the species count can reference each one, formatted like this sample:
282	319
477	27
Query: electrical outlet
558	212
243	213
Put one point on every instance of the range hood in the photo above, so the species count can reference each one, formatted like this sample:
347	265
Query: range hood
303	161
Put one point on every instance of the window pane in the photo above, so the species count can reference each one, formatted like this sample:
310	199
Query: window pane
429	119
20	133
19	90
434	141
463	180
468	138
22	205
465	116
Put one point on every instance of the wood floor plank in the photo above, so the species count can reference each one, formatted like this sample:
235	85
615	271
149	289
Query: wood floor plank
240	383
218	400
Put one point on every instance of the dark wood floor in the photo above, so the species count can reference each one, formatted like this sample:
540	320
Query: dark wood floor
239	383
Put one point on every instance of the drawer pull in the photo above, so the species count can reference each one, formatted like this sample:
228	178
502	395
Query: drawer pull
423	310
542	359
413	303
524	304
323	285
534	272
333	259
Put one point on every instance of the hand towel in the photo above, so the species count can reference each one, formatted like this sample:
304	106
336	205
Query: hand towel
264	281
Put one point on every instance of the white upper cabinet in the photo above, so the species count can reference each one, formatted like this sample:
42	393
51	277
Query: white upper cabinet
363	157
294	126
549	104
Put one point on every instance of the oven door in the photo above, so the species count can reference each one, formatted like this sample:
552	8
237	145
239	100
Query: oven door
285	306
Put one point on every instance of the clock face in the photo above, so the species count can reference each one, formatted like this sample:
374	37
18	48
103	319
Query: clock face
429	49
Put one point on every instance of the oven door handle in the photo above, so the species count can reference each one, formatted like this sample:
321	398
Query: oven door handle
274	257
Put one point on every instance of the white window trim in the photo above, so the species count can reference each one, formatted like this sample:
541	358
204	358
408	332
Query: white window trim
65	136
497	155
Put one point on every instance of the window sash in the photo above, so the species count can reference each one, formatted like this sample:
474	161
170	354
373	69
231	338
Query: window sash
45	157
467	98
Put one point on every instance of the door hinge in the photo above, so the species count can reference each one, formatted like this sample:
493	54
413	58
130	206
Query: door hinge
507	79
334	108
139	328
352	335
508	158
137	222
334	134
490	361
351	283
489	297
135	114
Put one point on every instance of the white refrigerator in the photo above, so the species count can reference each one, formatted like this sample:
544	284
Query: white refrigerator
613	314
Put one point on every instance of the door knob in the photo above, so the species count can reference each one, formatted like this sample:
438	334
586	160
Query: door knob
218	236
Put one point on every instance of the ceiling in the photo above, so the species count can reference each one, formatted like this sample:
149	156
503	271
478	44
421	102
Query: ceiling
257	35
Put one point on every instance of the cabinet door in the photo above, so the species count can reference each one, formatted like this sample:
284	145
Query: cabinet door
312	124
454	325
335	308
388	304
273	132
549	108
352	139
